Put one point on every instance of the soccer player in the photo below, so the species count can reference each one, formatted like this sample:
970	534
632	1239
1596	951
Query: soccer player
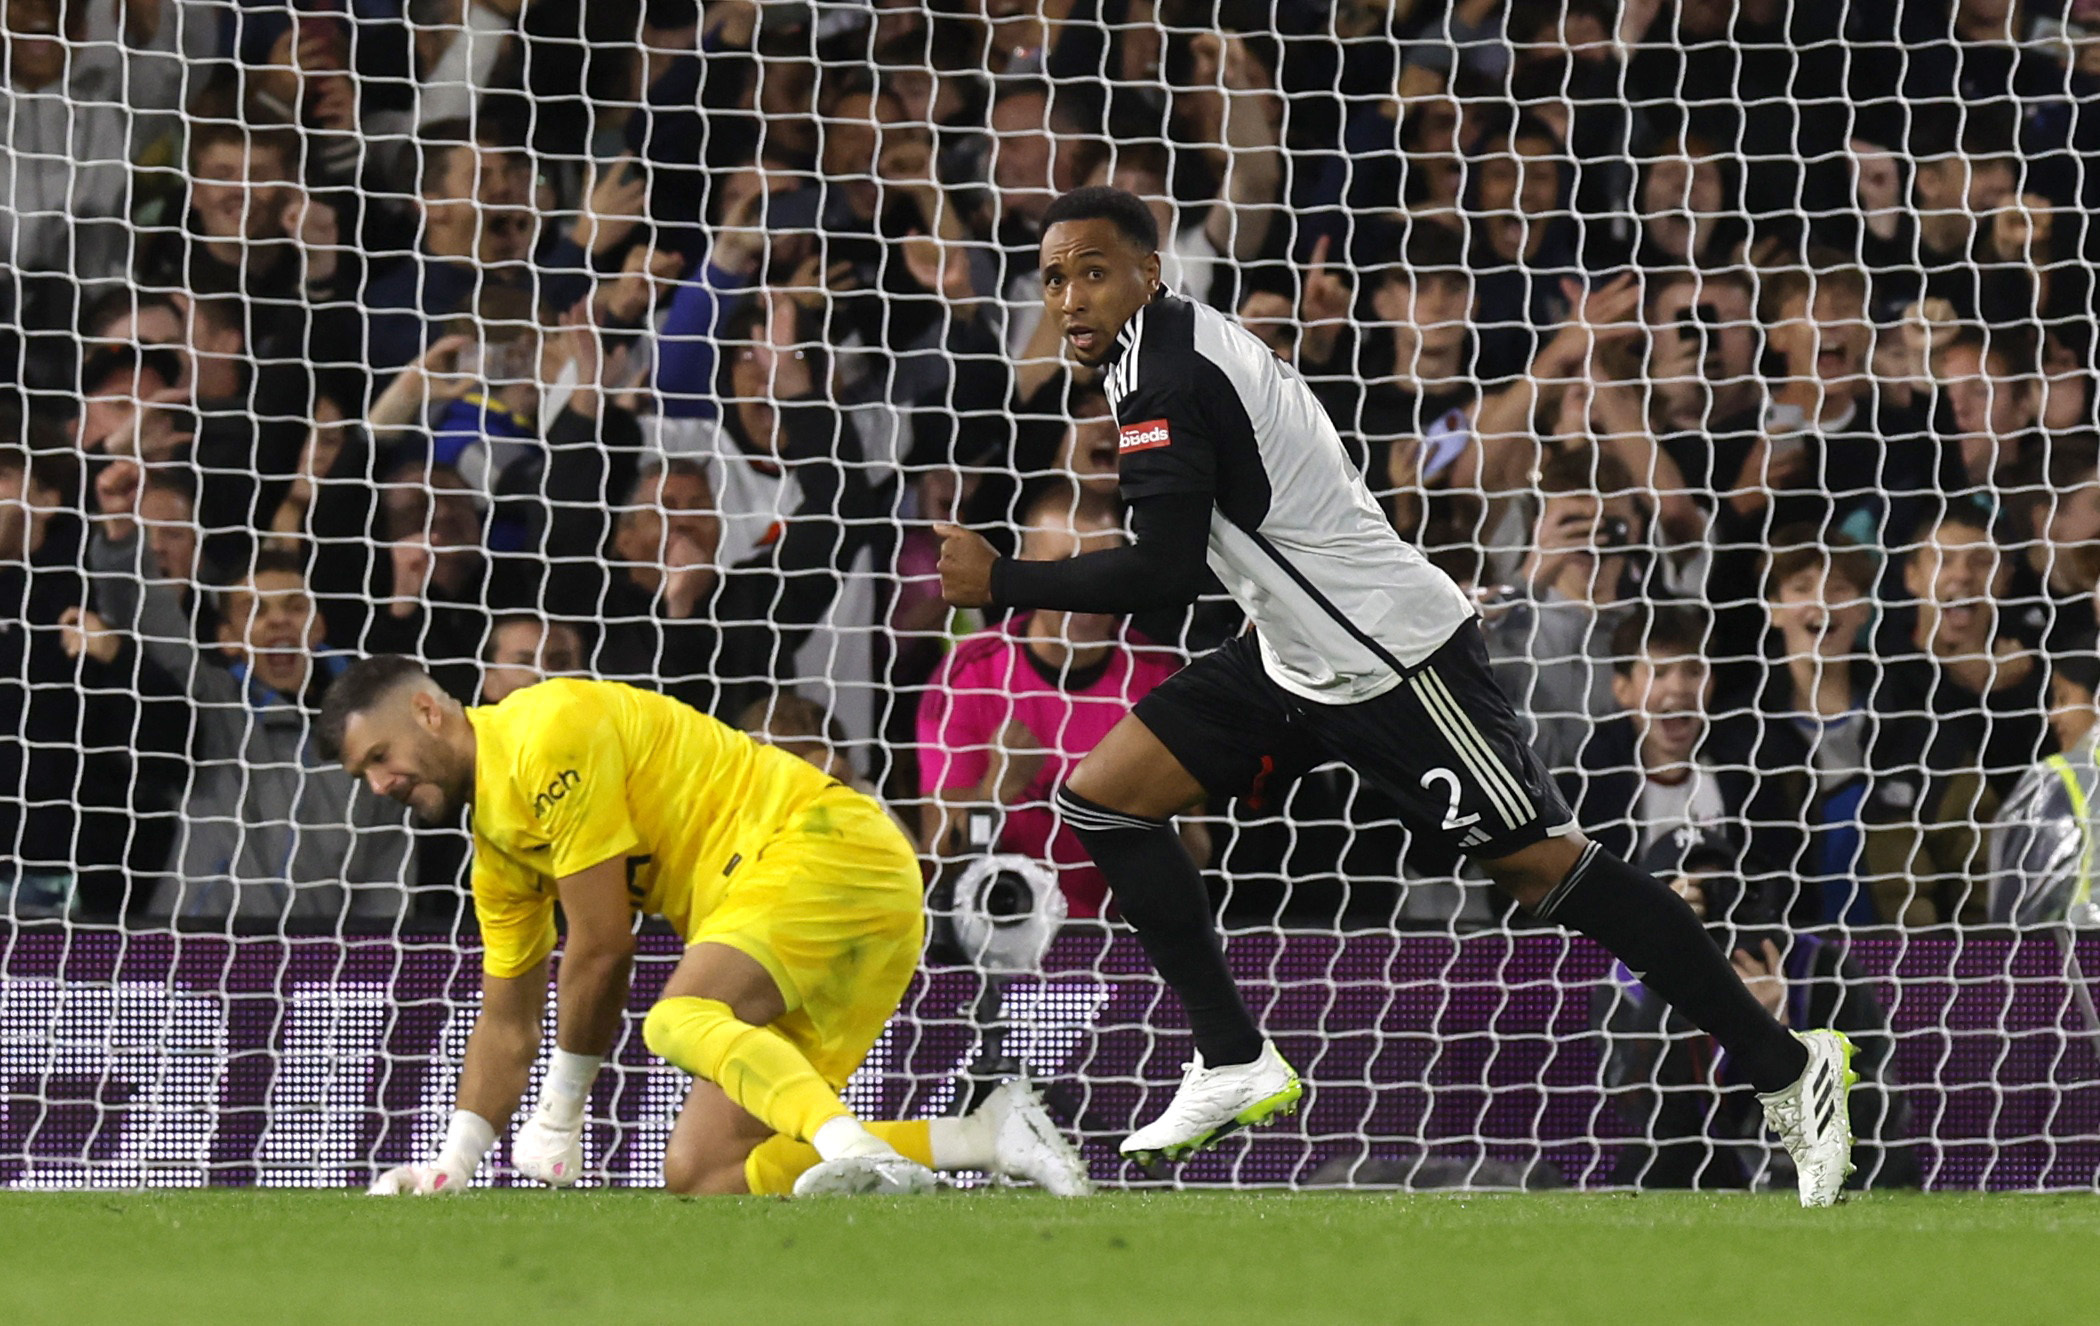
1361	652
800	901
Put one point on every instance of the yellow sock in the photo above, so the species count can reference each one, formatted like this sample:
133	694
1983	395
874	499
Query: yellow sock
757	1067
775	1164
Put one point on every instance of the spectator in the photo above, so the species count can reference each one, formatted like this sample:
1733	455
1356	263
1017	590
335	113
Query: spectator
71	134
65	725
2042	846
1522	246
664	612
1039	148
1413	376
794	500
1660	766
270	833
1962	710
1703	340
1233	117
1993	403
1551	641
1663	1074
525	648
124	398
478	229
438	595
1017	705
1831	453
1688	212
1816	726
2063	563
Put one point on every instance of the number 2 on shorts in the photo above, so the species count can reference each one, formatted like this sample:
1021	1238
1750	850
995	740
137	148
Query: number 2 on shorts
1452	819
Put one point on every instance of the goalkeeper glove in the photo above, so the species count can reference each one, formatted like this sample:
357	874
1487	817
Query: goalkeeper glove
549	1147
467	1139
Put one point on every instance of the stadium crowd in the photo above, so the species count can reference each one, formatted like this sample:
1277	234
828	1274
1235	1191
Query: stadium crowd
1737	357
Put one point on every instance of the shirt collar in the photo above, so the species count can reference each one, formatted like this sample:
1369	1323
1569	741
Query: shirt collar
1130	330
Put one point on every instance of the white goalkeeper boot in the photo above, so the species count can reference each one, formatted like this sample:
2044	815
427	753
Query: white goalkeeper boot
859	1164
1028	1145
1813	1117
1213	1102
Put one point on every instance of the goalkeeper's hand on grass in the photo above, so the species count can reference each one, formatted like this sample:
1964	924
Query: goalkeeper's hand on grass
467	1139
425	1180
549	1148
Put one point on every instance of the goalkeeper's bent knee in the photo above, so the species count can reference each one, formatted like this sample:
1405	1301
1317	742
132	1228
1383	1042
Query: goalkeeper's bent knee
757	1067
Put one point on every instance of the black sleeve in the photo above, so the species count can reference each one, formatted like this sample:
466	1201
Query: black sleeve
1164	439
1164	568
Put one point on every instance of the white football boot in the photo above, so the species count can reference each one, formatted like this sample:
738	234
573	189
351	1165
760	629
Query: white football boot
1028	1144
1213	1102
1813	1117
871	1175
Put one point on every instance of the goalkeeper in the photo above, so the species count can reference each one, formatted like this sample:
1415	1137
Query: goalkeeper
800	902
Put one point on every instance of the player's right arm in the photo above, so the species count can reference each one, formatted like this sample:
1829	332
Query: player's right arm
1164	566
500	1053
1167	471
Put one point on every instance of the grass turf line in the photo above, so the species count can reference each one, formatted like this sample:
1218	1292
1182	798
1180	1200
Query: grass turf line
234	1256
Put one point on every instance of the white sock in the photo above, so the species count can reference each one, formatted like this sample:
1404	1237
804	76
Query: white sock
567	1089
837	1139
965	1143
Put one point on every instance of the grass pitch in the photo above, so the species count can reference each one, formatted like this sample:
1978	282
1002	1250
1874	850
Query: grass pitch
623	1257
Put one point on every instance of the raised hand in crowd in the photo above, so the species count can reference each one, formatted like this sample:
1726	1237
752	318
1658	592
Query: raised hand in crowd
689	575
433	378
647	279
740	242
317	230
117	499
616	205
812	284
412	564
1323	308
1764	976
941	267
81	632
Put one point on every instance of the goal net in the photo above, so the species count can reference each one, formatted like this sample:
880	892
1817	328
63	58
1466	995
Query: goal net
1737	359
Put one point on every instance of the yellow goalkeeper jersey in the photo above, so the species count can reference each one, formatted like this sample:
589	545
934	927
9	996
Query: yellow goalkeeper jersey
569	774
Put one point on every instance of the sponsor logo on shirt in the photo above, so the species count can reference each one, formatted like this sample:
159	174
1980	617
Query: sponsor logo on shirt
556	790
1143	437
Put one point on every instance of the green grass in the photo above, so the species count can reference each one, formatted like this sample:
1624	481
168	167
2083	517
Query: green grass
632	1258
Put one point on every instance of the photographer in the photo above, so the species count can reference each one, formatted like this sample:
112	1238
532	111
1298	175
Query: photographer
1550	636
1693	1122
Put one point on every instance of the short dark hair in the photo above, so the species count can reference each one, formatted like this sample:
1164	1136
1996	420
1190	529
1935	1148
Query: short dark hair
277	561
1098	202
1585	469
1429	253
362	685
1675	628
1805	545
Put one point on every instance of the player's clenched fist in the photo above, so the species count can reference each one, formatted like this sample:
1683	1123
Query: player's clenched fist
548	1150
966	567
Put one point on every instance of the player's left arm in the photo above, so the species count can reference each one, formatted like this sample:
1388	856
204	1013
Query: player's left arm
596	960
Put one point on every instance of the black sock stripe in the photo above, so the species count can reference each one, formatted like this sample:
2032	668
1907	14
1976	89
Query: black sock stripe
1084	814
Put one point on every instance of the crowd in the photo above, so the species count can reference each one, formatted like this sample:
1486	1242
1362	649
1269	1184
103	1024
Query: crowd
1737	357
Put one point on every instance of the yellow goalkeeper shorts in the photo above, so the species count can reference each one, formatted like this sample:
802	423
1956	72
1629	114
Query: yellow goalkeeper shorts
835	910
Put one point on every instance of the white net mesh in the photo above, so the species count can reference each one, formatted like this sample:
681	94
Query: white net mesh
1737	357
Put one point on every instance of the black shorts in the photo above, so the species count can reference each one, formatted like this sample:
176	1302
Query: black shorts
1446	742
